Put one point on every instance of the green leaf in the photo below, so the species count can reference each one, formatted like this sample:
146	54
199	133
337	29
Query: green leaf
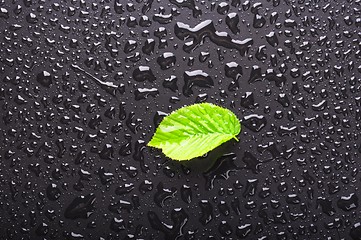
194	130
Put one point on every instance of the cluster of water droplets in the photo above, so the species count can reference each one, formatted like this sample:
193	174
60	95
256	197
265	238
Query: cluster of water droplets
84	84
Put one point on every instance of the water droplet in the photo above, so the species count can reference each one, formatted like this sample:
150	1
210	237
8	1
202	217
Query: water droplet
81	207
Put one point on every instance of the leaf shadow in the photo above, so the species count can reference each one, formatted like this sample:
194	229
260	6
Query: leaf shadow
205	163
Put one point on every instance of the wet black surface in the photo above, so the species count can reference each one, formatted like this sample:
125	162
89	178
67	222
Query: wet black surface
83	86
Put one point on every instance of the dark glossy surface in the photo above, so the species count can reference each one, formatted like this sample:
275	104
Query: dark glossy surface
83	86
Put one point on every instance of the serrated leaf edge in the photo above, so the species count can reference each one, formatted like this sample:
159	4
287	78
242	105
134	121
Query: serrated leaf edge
149	144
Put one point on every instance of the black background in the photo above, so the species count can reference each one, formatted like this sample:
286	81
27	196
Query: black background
74	164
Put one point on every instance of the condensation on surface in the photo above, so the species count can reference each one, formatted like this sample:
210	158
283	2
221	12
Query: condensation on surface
84	84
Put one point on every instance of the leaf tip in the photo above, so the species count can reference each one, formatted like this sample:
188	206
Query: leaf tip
150	144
